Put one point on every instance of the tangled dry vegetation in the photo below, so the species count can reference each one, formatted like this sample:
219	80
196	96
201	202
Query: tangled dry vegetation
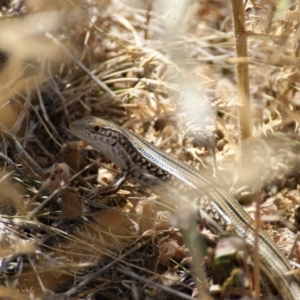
167	72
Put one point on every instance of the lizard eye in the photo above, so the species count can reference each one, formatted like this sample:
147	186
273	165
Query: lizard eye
96	128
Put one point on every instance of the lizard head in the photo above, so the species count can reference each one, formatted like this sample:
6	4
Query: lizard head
101	134
91	125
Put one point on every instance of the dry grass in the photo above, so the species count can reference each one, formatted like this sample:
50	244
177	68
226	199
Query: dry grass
166	72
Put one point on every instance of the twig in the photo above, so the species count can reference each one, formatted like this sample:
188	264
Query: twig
155	284
79	286
36	169
12	164
242	74
80	64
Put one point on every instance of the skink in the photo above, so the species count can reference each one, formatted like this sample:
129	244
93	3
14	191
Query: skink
142	162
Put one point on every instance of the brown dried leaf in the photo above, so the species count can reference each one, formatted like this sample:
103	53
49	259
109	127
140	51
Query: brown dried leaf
51	182
71	153
55	177
72	204
63	172
109	218
171	250
146	211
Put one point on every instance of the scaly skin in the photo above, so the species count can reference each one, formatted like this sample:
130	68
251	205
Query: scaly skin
147	165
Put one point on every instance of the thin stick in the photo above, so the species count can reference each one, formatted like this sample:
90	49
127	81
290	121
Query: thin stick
80	64
242	73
